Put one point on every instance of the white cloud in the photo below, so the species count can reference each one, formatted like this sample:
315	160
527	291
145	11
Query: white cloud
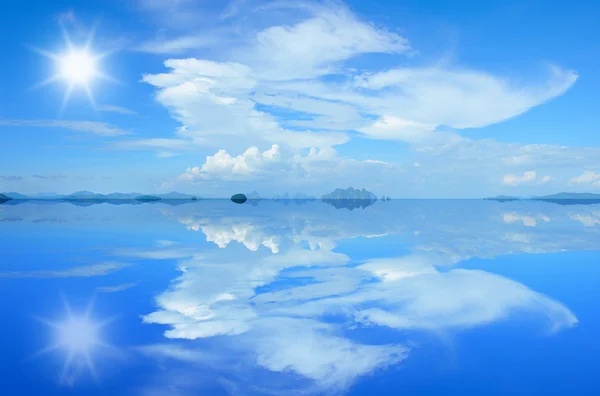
371	161
392	127
271	88
116	109
587	177
517	160
166	154
243	78
513	180
459	98
274	164
222	165
94	127
313	47
528	177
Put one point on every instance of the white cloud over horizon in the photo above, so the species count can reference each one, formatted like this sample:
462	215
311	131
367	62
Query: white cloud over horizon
527	177
340	97
587	177
271	90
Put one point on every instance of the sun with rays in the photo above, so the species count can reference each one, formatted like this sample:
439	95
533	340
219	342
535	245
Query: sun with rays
77	66
78	336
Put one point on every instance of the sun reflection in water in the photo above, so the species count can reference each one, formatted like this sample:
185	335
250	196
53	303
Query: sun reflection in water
78	336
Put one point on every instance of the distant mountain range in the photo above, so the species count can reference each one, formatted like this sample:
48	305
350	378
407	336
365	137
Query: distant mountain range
350	198
91	197
563	198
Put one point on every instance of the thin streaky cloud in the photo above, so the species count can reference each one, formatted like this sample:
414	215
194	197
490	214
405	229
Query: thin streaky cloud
93	127
11	178
49	177
115	289
116	109
100	269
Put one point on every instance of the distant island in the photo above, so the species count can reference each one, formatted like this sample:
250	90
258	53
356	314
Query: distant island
350	198
86	198
563	198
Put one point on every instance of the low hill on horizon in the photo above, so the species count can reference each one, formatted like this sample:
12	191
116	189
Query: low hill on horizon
89	195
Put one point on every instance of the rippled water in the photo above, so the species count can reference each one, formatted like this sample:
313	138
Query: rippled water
209	298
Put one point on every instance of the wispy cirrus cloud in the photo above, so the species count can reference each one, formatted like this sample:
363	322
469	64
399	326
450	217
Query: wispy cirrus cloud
11	178
93	127
116	109
49	177
115	289
100	269
270	88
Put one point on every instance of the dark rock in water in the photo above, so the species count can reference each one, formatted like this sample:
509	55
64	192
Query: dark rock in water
239	198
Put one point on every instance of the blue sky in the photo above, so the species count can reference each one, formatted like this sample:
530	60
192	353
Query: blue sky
443	99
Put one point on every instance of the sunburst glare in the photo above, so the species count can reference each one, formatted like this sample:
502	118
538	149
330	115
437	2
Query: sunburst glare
78	336
77	67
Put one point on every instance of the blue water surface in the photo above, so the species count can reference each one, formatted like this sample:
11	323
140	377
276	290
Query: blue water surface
430	297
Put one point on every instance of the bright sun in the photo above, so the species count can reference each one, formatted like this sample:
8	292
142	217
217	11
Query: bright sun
77	67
